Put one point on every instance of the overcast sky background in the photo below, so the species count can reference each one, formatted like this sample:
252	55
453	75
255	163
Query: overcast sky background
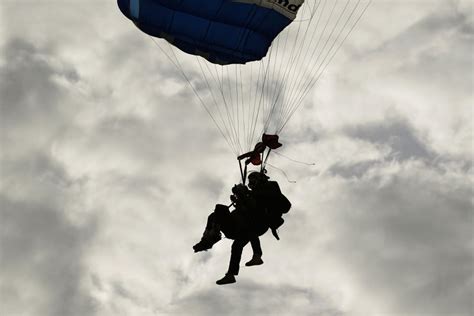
109	167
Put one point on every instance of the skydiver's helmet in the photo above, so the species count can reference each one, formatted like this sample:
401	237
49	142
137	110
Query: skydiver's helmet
257	178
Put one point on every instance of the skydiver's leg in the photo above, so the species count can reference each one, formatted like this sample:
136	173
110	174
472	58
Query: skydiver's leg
257	253
235	256
256	247
210	236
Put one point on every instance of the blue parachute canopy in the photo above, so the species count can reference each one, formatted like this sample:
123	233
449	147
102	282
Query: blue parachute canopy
222	31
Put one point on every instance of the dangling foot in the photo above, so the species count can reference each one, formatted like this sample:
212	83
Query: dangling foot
227	279
202	245
255	261
275	234
208	240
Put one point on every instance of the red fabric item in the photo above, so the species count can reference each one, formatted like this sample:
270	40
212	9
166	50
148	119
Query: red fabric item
271	141
259	147
256	160
254	156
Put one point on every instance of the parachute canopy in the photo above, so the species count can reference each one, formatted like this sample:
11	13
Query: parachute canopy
221	31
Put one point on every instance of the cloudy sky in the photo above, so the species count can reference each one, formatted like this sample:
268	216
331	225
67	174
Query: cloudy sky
109	167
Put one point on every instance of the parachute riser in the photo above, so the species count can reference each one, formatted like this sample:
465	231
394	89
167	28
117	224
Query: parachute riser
243	171
264	163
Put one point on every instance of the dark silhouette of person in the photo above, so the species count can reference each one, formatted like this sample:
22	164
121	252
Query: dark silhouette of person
255	211
269	200
244	224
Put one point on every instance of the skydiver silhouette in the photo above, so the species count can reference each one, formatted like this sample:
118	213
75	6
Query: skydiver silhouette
254	212
243	224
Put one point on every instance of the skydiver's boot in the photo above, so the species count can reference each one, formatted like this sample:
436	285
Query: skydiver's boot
203	245
255	261
210	237
227	279
206	243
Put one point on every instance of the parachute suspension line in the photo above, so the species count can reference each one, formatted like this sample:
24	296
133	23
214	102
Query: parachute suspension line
243	118
277	103
315	80
320	59
248	102
278	84
227	84
235	100
231	102
304	61
297	161
228	132
237	104
258	95
260	99
229	113
323	65
264	93
233	87
242	107
242	129
313	10
206	77
227	102
251	111
284	173
314	61
178	66
272	87
195	92
294	58
321	53
264	163
269	109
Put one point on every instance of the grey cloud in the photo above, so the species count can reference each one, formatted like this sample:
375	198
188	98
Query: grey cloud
417	229
433	53
208	185
27	87
353	170
120	290
42	261
404	142
31	105
42	249
399	135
